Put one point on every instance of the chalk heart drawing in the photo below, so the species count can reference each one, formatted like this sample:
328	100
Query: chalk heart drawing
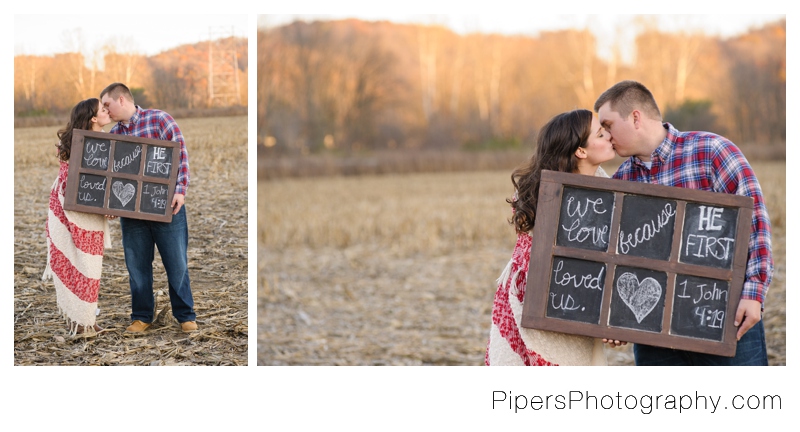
641	297
124	193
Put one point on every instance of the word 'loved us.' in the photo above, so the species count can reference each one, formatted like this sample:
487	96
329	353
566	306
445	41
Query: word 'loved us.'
87	185
566	279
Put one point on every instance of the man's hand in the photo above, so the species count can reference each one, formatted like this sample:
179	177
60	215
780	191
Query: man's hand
748	314
177	203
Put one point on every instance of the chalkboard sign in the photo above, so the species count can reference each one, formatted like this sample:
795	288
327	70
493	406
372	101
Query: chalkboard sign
637	301
646	227
637	262
96	153
154	198
708	235
585	219
91	190
576	290
127	158
123	192
159	162
700	307
121	175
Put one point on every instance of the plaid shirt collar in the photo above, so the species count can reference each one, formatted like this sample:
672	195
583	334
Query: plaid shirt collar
134	118
662	153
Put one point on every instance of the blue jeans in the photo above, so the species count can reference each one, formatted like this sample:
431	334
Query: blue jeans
139	239
751	350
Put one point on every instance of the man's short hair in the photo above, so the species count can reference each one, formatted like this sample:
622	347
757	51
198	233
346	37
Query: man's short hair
115	90
625	96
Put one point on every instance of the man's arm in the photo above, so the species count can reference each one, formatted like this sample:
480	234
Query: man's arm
171	132
735	175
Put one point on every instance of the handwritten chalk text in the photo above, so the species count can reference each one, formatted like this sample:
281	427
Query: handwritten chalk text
647	231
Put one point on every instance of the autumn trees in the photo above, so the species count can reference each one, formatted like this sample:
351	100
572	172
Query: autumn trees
177	78
351	85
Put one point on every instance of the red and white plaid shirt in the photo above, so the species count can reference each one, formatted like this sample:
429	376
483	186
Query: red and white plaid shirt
157	124
706	161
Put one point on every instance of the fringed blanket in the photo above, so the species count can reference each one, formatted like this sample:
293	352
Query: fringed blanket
75	243
511	344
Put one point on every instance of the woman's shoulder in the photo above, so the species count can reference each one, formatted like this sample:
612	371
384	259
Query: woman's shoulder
601	172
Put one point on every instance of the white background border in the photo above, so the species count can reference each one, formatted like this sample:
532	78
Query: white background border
364	398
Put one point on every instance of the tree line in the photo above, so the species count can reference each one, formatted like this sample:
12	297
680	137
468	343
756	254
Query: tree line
173	79
348	86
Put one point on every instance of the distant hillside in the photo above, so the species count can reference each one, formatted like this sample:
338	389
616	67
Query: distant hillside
175	79
350	86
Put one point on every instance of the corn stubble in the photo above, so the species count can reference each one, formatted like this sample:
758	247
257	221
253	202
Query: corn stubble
401	269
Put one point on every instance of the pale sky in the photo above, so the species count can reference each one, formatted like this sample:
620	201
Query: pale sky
608	29
151	34
147	34
523	23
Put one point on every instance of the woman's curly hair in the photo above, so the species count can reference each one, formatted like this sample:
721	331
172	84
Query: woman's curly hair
556	145
80	118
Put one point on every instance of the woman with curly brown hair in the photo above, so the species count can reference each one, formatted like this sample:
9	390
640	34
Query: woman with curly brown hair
75	240
571	142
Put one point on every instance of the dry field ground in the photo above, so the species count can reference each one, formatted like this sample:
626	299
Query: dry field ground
217	216
400	269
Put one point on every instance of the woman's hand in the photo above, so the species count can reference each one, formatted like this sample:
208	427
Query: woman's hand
614	343
110	217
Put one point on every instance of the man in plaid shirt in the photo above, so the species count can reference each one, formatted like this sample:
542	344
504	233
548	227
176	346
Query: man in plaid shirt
139	237
660	154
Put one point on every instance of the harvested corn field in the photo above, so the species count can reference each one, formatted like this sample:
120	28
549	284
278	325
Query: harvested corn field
400	269
216	205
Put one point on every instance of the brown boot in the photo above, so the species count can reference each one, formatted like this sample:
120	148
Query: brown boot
189	326
137	327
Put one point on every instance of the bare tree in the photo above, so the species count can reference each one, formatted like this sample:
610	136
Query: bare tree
353	84
122	60
427	41
75	46
25	76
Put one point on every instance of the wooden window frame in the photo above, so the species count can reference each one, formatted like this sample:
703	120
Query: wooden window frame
544	249
75	170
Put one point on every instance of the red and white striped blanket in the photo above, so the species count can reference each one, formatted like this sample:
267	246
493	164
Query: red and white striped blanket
75	243
510	344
